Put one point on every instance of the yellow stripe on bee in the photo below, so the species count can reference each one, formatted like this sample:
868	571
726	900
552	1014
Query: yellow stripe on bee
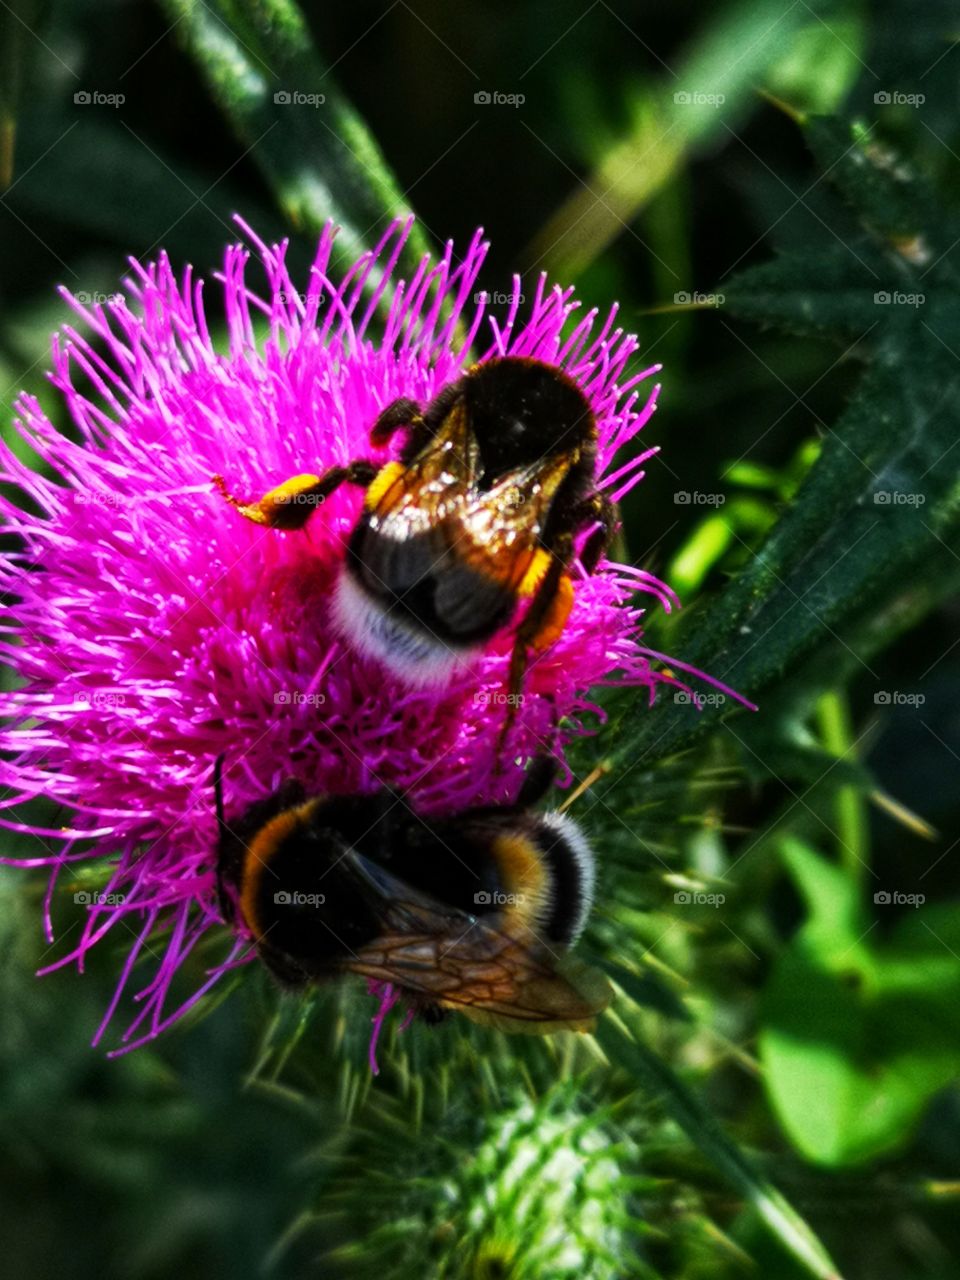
524	875
551	629
538	566
274	504
291	488
278	500
384	480
260	852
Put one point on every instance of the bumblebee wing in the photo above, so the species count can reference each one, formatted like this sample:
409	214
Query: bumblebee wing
409	499
505	525
493	969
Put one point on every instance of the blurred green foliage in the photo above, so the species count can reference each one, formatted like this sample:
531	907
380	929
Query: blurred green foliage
787	1009
856	1036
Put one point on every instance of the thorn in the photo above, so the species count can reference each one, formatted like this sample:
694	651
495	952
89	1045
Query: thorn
585	785
796	115
906	817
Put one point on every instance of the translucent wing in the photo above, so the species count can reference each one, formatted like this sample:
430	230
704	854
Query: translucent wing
405	501
491	968
494	530
502	527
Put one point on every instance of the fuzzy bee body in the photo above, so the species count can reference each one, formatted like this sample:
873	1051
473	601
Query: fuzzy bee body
473	528
474	912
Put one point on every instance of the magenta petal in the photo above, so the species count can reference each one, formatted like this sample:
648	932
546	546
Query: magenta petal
388	996
160	630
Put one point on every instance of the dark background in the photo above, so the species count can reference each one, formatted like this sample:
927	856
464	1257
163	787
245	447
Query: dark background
167	1162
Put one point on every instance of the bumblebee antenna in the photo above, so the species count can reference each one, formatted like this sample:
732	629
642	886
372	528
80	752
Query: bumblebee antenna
223	897
218	789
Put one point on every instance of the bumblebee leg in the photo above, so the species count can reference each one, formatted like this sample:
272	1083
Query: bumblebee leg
291	504
432	1014
549	621
423	423
399	413
553	598
541	772
597	507
543	624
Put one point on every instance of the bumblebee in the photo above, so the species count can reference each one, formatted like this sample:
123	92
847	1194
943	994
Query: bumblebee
473	912
480	513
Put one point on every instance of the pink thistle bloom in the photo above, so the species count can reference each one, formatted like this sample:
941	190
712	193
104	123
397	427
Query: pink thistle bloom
155	629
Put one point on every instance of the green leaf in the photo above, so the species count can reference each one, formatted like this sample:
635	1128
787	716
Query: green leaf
708	92
832	899
108	183
827	293
820	65
317	156
856	1038
646	989
702	1128
882	187
877	520
17	21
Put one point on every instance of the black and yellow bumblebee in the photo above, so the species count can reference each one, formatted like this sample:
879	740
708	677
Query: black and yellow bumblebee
473	912
481	512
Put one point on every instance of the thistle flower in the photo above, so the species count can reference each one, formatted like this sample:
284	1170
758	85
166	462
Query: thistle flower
154	630
514	1186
